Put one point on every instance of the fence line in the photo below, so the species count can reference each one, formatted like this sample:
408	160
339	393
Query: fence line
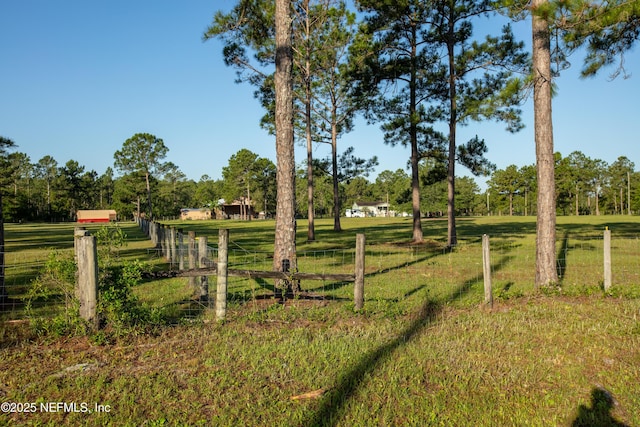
202	266
507	268
394	273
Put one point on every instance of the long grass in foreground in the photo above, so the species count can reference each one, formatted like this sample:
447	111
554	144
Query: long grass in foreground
531	361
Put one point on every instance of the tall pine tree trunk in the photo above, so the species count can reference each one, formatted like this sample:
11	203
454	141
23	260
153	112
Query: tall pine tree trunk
415	155
311	230
452	235
334	174
284	256
3	290
546	273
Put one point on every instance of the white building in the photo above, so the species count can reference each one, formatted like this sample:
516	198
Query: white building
366	209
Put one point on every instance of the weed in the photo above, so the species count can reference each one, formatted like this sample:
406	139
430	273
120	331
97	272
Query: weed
56	283
119	308
110	239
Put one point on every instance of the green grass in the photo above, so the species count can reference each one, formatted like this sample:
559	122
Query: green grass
424	351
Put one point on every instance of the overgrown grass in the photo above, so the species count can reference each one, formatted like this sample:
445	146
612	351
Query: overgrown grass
424	351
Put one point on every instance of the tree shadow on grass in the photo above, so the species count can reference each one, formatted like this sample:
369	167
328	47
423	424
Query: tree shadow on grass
563	253
599	414
334	402
561	263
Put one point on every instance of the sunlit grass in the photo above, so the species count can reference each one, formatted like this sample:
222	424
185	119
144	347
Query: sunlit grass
423	351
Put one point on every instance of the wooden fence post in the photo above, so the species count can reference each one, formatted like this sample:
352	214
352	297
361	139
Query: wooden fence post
78	232
204	280
163	241
173	256
486	269
180	249
87	286
223	274
193	254
358	291
152	234
607	259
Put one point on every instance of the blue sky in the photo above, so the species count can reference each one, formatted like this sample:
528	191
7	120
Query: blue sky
77	78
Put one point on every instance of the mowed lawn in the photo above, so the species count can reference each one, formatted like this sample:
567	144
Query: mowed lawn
425	350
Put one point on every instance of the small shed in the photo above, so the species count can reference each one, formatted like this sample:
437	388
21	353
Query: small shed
96	215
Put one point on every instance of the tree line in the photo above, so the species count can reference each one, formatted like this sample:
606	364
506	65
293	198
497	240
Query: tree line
583	186
48	191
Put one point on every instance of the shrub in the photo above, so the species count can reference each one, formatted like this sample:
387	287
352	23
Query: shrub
55	284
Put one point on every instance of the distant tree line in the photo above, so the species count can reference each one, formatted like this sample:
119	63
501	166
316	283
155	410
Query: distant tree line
47	191
584	186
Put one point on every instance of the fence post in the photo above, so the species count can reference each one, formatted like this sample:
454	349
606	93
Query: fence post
607	259
173	257
358	291
87	286
153	234
166	239
486	269
78	232
204	280
163	241
180	249
192	257
223	274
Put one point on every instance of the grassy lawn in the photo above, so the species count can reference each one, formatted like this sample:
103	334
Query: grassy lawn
424	351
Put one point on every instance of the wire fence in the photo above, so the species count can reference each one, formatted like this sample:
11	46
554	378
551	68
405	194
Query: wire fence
396	275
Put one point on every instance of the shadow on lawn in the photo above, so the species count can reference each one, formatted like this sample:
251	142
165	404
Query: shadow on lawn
599	414
334	402
561	263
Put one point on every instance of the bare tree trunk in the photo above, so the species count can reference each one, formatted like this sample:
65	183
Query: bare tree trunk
334	174
3	289
510	204
546	273
628	193
621	202
452	235
146	176
311	232
415	176
284	256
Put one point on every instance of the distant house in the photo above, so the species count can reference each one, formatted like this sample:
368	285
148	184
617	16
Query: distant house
371	208
96	215
195	214
239	209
